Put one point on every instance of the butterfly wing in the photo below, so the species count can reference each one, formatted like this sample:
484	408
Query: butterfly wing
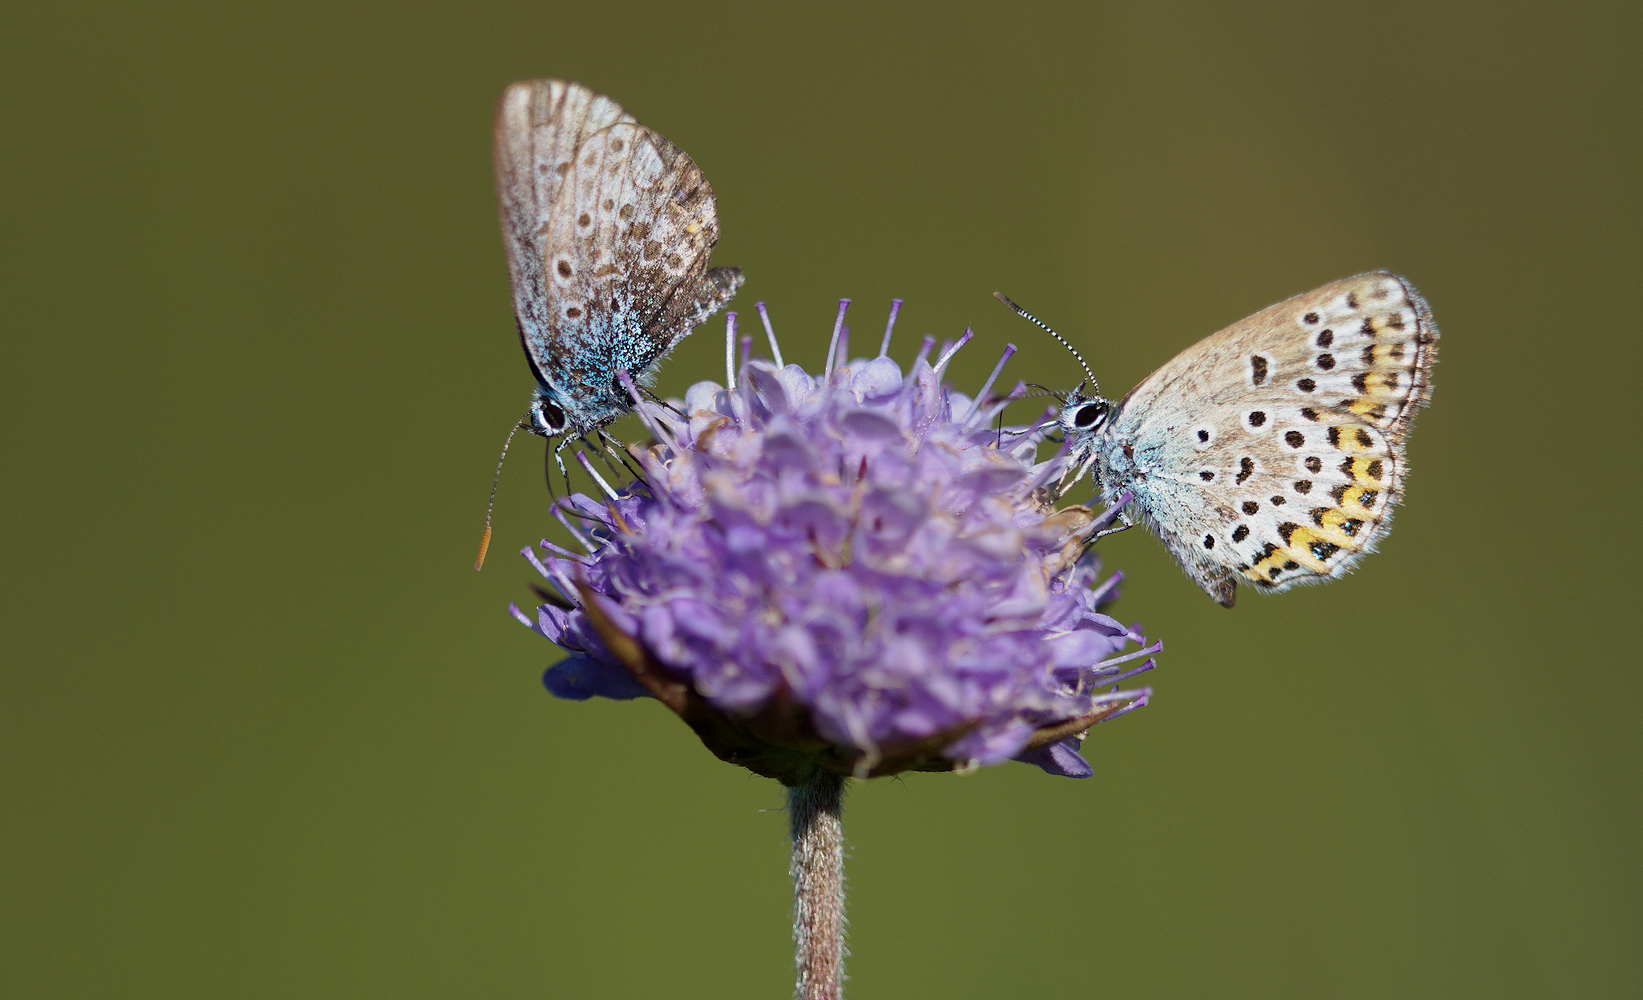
1273	451
608	228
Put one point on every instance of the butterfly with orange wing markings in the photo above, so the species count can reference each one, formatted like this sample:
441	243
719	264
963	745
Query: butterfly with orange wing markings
1270	453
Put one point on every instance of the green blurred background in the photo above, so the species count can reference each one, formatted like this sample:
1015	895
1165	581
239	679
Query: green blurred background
267	734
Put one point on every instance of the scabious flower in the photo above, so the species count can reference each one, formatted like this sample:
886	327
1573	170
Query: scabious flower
854	572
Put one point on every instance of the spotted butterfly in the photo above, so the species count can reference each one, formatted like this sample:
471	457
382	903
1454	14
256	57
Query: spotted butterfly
608	228
1271	453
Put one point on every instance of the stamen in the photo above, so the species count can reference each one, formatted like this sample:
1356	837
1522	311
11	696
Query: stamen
747	352
1139	702
947	356
730	351
775	351
1126	675
587	466
560	577
895	307
999	405
1099	594
1097	668
558	512
833	345
1110	515
975	406
924	352
562	552
648	418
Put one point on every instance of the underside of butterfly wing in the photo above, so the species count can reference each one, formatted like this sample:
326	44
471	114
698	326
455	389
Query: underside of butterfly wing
609	227
1273	452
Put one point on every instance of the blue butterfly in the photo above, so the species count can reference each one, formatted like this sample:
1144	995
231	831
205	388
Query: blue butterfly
608	227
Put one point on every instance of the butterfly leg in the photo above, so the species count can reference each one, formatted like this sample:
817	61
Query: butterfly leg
615	449
1104	532
558	460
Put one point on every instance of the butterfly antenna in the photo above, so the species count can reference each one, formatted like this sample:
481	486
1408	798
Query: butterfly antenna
485	539
1029	317
1045	391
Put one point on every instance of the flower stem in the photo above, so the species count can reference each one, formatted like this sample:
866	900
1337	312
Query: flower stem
814	811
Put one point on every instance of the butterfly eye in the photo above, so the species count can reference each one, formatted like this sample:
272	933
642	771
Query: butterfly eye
1089	415
547	419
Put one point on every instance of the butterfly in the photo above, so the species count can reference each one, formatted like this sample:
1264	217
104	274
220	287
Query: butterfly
1271	453
608	228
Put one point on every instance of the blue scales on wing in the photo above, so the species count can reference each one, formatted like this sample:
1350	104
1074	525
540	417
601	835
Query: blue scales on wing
608	228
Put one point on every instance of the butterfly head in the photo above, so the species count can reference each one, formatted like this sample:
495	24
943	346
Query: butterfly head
546	417
1083	413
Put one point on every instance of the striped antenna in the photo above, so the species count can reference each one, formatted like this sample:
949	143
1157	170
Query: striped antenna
1095	389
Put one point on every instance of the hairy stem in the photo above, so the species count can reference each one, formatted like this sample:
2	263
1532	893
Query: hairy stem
814	815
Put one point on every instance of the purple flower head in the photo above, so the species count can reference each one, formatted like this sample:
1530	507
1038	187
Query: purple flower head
855	572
